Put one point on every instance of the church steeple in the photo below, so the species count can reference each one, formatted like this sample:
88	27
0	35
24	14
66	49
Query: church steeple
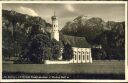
54	17
55	28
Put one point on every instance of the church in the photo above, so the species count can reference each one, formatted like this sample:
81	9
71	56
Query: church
81	55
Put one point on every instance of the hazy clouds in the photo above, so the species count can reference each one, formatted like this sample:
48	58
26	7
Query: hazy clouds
28	11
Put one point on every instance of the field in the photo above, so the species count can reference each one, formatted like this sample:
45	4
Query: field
116	68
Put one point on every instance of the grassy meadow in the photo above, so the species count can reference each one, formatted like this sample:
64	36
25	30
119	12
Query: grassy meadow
97	67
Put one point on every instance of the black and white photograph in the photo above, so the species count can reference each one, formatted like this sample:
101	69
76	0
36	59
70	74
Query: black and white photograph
64	41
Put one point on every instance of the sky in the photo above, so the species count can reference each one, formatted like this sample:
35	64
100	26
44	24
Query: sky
68	12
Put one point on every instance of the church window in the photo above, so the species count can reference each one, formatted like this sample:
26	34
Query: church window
75	57
54	25
87	57
83	57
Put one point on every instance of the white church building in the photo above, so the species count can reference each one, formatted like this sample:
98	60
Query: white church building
81	55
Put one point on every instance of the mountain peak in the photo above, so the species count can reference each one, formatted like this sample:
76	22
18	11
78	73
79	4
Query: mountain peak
78	18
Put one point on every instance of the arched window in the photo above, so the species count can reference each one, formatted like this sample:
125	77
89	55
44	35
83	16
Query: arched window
54	25
87	57
79	55
75	57
83	57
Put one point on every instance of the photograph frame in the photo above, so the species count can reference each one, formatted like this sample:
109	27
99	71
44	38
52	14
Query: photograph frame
67	80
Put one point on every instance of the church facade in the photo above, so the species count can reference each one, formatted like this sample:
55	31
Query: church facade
81	55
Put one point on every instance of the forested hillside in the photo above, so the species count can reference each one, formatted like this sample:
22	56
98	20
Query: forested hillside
110	35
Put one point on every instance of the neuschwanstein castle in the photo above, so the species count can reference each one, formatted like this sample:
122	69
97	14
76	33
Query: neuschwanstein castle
81	55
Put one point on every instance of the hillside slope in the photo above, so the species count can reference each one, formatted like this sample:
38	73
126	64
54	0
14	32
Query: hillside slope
15	30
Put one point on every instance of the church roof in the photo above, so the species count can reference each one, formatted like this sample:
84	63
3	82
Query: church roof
74	41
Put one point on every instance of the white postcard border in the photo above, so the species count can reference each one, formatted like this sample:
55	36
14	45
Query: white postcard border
65	80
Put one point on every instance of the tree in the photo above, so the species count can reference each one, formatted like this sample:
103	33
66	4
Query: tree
38	48
99	54
67	52
56	48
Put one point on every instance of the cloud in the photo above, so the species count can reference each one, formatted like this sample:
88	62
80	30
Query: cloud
28	11
69	8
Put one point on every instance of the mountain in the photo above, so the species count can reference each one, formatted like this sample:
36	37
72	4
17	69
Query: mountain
110	35
84	27
92	28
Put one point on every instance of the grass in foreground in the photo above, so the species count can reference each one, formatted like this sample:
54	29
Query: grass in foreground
96	70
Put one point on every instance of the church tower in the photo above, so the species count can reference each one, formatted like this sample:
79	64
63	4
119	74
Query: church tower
55	28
